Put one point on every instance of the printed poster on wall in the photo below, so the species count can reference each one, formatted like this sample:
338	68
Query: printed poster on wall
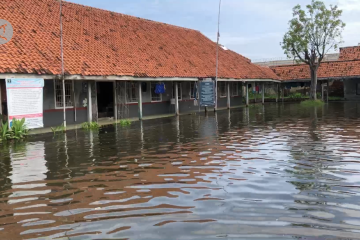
207	93
25	100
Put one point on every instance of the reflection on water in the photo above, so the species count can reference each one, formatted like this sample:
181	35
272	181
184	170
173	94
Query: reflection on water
274	172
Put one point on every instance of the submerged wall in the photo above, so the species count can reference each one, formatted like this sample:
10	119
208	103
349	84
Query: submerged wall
53	116
352	89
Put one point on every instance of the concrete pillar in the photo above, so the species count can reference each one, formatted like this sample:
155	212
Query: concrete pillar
327	91
247	94
282	92
64	101
115	102
322	92
176	99
254	87
1	112
263	93
228	95
216	95
89	102
277	92
140	101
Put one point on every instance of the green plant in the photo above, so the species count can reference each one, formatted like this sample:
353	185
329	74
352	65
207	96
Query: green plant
296	96
90	126
5	132
58	129
124	122
312	103
17	131
313	32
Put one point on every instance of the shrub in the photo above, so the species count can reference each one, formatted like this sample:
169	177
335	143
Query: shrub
5	132
296	96
124	122
90	126
17	131
58	129
312	103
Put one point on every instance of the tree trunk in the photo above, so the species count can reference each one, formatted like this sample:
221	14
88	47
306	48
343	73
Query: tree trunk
313	86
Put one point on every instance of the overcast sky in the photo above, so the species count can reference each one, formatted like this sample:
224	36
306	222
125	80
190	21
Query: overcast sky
253	28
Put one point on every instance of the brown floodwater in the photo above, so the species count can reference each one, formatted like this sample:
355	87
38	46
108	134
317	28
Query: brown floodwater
273	172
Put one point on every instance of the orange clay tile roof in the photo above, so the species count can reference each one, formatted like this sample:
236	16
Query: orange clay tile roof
103	43
349	53
348	65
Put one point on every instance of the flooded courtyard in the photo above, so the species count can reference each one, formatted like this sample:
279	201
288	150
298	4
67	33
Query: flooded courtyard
277	171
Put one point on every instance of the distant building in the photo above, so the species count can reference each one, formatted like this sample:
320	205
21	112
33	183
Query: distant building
342	67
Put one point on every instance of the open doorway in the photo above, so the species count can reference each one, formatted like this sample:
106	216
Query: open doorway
105	99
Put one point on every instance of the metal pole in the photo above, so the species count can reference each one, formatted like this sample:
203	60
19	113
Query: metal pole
282	92
140	102
277	92
263	93
176	99
62	63
217	57
322	92
327	92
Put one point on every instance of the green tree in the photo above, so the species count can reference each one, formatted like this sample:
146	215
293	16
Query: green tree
312	34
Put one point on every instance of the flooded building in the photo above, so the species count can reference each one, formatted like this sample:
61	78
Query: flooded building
341	72
114	63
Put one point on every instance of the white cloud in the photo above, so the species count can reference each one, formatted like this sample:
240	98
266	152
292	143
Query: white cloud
349	5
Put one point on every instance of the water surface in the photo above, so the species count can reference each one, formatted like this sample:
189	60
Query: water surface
272	172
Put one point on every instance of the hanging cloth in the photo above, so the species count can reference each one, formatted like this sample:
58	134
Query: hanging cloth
160	88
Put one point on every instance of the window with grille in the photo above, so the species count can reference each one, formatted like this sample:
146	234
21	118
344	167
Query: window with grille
154	97
59	94
222	88
131	92
234	89
179	91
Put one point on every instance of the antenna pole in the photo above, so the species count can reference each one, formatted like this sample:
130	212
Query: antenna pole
62	64
217	59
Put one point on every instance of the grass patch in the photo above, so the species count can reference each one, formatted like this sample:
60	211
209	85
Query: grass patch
336	98
58	129
17	131
312	103
90	126
124	122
